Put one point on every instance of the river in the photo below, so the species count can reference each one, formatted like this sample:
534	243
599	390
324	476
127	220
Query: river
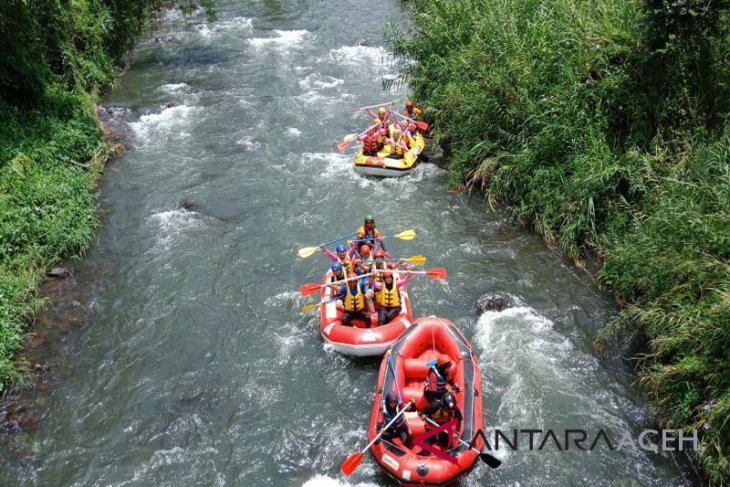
195	366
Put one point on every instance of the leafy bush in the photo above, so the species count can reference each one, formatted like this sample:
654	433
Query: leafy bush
603	124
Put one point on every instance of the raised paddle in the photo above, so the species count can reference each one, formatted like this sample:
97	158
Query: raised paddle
421	125
404	235
435	273
308	251
490	460
313	287
359	109
354	460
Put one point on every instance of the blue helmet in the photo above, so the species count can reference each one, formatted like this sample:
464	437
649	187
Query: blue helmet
341	248
336	266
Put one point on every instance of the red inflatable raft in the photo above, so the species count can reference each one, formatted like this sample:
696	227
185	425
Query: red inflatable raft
358	340
421	343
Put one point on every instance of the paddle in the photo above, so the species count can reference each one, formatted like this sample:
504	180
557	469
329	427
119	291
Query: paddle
404	235
423	126
308	251
354	460
490	460
313	287
359	109
416	259
435	273
313	306
350	137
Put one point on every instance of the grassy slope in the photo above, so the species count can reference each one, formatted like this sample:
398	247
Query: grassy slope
57	57
604	137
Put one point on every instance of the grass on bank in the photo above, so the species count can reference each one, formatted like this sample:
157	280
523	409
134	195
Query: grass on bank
603	124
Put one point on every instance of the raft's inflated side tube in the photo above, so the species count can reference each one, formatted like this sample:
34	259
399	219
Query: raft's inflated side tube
421	343
383	165
357	340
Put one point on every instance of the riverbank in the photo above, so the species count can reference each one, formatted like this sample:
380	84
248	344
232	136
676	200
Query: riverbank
604	126
52	145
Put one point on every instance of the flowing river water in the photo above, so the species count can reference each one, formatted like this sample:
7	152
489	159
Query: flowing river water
196	367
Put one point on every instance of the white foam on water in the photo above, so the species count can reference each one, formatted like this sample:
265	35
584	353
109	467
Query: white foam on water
550	383
325	481
360	55
293	132
236	24
328	164
172	223
318	81
286	297
174	87
284	39
249	143
170	122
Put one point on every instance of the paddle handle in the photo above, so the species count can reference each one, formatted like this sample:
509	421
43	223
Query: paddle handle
383	430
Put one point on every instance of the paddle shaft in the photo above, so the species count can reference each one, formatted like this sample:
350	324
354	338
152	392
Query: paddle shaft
494	462
383	430
339	238
374	106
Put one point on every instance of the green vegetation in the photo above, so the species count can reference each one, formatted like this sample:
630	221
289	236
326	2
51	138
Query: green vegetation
57	56
603	124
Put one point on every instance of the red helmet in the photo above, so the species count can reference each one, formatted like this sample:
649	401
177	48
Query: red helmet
379	254
365	249
409	104
387	273
443	359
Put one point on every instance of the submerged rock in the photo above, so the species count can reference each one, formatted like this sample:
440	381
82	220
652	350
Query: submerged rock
496	301
59	272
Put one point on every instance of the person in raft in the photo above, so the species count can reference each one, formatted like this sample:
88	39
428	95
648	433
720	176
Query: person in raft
398	144
338	274
438	378
352	301
341	255
412	111
368	234
441	412
399	429
387	295
370	141
366	284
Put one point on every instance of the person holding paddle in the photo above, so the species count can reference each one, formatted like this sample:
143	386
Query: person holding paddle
391	409
387	295
412	111
353	302
370	141
342	255
437	414
368	234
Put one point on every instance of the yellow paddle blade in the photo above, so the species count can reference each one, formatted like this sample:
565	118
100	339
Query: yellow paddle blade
310	307
416	259
307	251
406	235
